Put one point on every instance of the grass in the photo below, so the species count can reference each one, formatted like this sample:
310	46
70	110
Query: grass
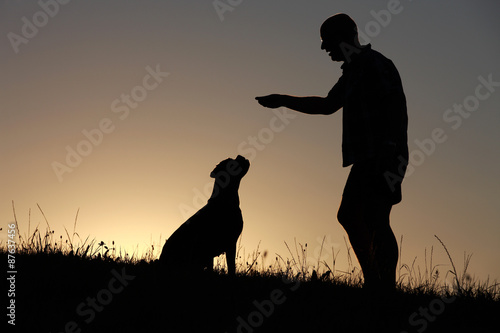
73	284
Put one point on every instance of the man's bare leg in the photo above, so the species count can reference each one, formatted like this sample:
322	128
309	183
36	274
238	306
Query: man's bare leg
372	239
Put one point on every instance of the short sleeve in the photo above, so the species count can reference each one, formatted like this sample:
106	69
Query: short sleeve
336	96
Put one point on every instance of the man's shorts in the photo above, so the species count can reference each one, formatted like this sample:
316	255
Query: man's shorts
367	180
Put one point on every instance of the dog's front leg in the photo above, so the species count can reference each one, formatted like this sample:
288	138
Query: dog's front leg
231	260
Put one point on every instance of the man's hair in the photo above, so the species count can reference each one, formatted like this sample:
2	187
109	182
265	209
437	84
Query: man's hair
342	26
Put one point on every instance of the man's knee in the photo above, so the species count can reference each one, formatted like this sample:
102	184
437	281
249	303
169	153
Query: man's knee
341	216
347	215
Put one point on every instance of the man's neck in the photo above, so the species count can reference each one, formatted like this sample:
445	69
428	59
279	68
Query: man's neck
352	52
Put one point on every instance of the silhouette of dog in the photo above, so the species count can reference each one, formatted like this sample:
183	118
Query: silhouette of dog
214	229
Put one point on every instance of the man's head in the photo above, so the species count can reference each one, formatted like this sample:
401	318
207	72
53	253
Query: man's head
339	34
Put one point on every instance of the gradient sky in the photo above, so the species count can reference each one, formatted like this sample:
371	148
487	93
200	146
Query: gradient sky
149	170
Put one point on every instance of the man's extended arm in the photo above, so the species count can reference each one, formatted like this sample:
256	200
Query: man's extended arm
308	105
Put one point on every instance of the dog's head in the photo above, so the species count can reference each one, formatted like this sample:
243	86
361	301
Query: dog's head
231	168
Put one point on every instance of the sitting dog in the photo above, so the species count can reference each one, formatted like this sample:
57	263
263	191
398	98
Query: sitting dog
214	229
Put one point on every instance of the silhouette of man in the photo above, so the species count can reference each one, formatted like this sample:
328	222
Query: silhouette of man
374	142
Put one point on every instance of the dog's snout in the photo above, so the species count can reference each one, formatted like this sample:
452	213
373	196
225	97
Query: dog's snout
240	159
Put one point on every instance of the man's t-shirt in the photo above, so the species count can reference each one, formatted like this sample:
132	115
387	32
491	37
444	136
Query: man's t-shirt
374	118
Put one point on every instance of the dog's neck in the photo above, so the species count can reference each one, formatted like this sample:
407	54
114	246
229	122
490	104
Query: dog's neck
226	192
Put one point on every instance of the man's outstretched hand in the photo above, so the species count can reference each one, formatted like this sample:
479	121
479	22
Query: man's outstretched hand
271	101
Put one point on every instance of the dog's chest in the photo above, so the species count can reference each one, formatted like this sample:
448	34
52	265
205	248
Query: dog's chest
228	219
215	218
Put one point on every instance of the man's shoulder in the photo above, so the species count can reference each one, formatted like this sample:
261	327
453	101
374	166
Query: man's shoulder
367	58
375	58
377	64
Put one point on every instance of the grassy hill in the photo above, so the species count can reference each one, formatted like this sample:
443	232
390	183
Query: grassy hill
63	287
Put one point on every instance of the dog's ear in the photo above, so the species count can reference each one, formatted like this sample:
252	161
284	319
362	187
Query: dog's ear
219	167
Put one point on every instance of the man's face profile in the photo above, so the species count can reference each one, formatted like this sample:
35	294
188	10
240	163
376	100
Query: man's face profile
331	44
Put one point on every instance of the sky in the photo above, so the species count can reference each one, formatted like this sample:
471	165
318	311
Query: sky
120	110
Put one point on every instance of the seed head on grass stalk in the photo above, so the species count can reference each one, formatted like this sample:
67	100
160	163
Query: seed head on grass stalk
454	272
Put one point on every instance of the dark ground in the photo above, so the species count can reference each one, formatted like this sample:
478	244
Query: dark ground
60	293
